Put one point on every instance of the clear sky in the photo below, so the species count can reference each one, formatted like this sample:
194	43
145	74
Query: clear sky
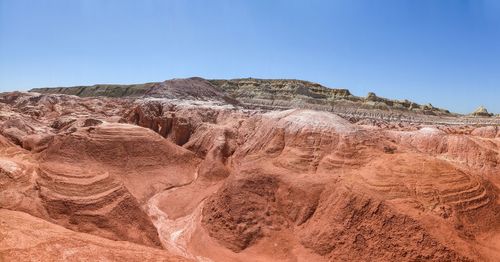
446	52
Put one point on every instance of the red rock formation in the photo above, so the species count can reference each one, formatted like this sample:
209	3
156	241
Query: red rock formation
212	180
25	238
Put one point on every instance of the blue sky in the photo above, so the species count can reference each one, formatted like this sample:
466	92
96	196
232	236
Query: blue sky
446	52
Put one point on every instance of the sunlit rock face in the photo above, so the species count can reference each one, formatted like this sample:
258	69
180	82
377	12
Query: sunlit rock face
218	170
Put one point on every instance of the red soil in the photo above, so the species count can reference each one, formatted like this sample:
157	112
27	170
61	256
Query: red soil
212	181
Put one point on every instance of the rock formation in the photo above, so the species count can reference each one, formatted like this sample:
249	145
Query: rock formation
264	93
243	170
481	111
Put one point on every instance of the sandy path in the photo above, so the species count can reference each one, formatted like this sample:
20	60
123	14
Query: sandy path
175	234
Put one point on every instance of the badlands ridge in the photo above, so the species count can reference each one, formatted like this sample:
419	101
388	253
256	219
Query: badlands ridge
243	170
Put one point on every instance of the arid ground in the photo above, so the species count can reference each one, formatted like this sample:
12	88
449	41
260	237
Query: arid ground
244	170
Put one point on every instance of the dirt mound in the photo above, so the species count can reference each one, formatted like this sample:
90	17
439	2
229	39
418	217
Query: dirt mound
84	184
18	173
138	157
434	185
467	150
194	88
350	226
246	210
25	237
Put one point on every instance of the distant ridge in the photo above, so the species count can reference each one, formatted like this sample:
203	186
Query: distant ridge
286	93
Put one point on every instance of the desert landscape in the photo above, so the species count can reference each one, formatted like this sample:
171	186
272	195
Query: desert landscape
244	170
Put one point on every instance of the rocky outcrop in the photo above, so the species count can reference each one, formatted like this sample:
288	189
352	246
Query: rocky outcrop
262	94
189	88
277	89
253	93
481	111
98	90
194	88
